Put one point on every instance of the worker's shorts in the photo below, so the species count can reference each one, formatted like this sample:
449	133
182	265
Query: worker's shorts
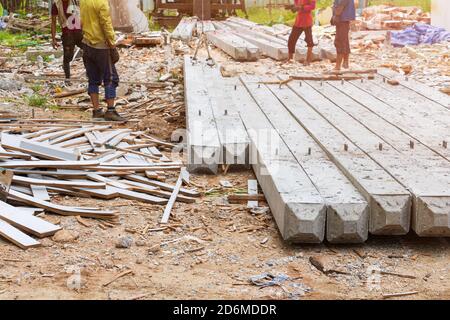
100	69
342	41
296	33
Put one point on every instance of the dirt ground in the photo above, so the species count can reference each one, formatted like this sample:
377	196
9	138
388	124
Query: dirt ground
211	250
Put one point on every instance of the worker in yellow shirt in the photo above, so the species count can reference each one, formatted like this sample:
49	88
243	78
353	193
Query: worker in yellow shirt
100	55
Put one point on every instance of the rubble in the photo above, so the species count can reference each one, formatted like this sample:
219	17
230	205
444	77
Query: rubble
385	17
35	24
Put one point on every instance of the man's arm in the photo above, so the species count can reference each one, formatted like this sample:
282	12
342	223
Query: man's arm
53	30
106	23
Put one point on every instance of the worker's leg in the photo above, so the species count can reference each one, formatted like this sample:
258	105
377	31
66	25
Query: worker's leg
111	82
68	48
346	44
94	74
340	43
310	44
339	59
292	41
345	59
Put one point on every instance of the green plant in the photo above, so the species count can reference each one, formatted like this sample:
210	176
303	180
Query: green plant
16	40
36	88
153	25
424	4
263	15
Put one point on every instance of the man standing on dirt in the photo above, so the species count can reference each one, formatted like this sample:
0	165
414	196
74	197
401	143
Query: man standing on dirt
343	13
68	14
303	23
100	55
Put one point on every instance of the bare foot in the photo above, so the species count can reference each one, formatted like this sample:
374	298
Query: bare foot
345	65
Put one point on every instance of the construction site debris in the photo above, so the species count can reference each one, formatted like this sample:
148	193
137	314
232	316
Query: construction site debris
107	164
35	24
418	34
385	17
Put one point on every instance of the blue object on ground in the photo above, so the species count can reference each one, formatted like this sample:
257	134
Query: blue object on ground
419	33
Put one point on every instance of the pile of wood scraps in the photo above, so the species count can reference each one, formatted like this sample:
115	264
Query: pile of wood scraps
88	160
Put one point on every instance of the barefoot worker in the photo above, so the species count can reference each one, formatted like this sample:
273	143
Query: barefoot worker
343	14
303	23
100	55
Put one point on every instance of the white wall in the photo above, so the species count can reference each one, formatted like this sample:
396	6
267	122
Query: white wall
440	13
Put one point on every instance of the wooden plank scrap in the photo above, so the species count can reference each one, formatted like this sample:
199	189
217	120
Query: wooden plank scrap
26	222
183	176
16	236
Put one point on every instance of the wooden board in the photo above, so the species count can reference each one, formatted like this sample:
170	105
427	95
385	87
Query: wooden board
39	149
48	164
145	188
57	183
76	133
62	210
162	185
16	236
172	199
40	192
26	222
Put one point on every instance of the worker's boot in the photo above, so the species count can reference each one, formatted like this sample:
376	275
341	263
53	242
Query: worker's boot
112	115
98	114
